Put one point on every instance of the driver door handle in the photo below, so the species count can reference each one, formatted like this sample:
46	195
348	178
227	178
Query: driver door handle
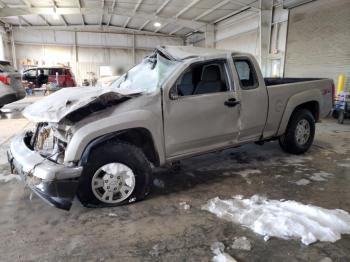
231	102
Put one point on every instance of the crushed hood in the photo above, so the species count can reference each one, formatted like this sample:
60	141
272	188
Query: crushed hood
66	101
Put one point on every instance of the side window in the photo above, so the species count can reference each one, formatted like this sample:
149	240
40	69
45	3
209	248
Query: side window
246	74
203	79
53	71
30	73
44	70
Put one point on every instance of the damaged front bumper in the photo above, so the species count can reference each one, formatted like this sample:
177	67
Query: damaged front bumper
55	183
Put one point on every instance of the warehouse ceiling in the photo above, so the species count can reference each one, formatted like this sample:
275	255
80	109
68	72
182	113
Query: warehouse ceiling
161	17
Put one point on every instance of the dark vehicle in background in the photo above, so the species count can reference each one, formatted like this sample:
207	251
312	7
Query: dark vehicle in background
11	88
62	76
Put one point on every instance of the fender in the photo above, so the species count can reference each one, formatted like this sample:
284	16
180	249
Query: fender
295	101
100	130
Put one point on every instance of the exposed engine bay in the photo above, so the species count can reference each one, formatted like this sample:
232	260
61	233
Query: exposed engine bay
49	140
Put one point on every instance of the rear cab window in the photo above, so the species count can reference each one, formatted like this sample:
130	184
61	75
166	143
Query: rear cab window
246	73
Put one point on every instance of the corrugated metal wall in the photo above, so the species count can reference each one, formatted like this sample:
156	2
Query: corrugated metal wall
93	49
318	43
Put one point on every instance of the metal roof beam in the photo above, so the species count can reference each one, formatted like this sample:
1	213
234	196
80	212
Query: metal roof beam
144	25
176	30
138	5
111	16
186	8
162	6
5	12
45	20
127	22
209	11
160	28
245	5
94	28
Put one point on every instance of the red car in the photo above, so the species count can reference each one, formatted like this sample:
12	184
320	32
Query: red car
42	75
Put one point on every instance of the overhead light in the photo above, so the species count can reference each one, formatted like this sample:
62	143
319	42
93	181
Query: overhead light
55	16
157	24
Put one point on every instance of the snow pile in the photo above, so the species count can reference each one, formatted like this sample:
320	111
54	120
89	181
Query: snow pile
241	243
220	256
283	219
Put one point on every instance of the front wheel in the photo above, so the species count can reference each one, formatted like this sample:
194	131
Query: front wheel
300	133
116	173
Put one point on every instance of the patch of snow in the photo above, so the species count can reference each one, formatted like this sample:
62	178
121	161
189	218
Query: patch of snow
326	259
158	183
184	205
344	165
303	182
220	256
8	178
241	243
157	249
112	215
296	160
217	247
223	257
321	176
190	174
245	173
283	219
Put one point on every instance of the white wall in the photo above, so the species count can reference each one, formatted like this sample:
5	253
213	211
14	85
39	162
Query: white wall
319	40
239	33
85	51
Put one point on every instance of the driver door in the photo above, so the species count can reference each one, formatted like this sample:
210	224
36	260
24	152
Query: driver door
201	112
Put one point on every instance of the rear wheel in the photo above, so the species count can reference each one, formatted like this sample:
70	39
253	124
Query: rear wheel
116	173
300	132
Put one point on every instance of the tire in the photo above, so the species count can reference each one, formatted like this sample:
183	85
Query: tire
296	142
341	117
108	155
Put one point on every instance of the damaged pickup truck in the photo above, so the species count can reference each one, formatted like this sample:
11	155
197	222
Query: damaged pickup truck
102	143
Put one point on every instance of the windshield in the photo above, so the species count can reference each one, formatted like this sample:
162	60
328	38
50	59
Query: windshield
147	76
6	67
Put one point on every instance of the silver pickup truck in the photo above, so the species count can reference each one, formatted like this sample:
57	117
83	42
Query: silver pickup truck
102	143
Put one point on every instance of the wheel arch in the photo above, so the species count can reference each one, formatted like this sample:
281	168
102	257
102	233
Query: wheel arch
138	136
306	100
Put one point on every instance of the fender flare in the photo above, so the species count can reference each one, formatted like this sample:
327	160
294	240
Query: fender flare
296	100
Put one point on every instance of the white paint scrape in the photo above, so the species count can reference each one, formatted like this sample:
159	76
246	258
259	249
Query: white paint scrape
283	219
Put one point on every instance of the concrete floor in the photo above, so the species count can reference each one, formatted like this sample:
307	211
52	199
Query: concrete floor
159	228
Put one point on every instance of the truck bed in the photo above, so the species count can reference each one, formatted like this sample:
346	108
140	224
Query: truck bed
269	81
282	91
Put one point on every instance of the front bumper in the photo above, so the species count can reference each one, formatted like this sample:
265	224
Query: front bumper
55	183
